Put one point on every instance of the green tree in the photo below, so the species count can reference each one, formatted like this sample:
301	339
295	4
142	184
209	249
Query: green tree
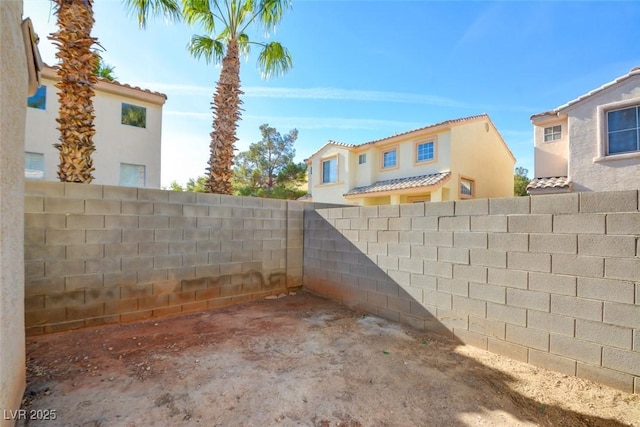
226	24
104	70
267	169
196	185
174	186
520	181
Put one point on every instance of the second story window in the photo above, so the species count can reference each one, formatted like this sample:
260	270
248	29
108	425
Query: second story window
425	151
552	133
362	159
133	115
390	158
39	99
467	188
330	170
132	175
623	130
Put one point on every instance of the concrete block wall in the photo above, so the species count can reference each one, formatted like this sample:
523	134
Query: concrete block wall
550	280
102	254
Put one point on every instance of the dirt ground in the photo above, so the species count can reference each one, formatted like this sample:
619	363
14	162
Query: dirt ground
298	360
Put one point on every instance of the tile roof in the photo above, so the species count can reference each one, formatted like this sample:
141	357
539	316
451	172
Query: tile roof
549	182
304	198
402	183
634	72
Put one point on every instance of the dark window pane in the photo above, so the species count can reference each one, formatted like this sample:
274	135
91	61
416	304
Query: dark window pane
622	119
623	142
39	99
133	115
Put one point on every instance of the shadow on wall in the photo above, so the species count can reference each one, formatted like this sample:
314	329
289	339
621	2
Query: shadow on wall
338	269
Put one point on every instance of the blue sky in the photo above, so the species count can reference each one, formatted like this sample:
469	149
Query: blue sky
364	70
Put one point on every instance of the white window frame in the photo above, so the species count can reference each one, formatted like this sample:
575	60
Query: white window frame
433	151
362	158
603	135
554	134
386	151
141	183
328	180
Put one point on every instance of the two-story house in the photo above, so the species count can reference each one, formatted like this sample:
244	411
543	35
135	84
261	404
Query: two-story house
128	123
456	159
591	143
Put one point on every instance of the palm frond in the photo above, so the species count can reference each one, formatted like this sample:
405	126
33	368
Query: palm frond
144	9
243	44
199	11
272	11
206	47
274	60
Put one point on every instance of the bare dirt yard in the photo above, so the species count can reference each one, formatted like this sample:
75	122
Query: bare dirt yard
297	361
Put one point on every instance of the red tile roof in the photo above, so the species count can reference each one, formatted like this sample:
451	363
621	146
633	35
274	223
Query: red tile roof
401	184
549	182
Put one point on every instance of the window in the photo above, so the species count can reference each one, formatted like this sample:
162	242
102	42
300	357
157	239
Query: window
623	130
132	175
390	158
467	188
425	151
39	99
34	165
362	159
330	170
552	133
133	115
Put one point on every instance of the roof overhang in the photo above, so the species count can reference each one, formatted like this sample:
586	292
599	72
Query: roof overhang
404	186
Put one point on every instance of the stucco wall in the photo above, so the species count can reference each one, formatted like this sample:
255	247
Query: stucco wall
551	158
586	131
332	192
103	254
13	91
552	281
115	143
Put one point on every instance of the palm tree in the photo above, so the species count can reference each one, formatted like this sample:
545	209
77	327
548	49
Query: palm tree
104	70
226	23
75	95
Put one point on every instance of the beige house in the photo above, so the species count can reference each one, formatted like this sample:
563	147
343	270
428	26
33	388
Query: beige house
456	159
591	143
128	133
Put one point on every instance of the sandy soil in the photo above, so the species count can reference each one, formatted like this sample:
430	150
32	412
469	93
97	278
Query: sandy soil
297	361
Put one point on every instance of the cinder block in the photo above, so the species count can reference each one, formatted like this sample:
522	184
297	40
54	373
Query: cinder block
353	212
100	236
35	269
44	286
462	239
529	261
513	351
398	278
85	311
424	282
424	223
556	204
121	306
584	223
105	207
44	253
120	221
608	377
117	279
471	338
621	268
509	242
439	299
607	245
552	362
454	223
439	209
59	268
576	349
602	333
485	292
577	265
471	207
606	290
64	206
43	317
119	193
550	322
412	209
388	236
406	237
552	283
424	252
376	299
181	197
388	262
509	278
411	265
33	204
453	255
510	206
610	201
150	302
153	195
136	316
220	211
83	222
45	220
539	301
621	360
507	314
399	304
197	210
83	281
553	243
137	263
539	223
153	222
121	250
453	286
488	327
181	273
207	199
137	236
399	250
207	270
492	223
389	211
168	209
153	248
576	307
166	261
398	224
488	258
437	268
99	295
182	248
472	273
168	235
532	338
438	238
423	311
627	315
469	306
44	188
452	319
55	237
623	223
66	299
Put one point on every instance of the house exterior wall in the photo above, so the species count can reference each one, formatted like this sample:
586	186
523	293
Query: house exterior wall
478	153
552	281
115	142
551	158
13	90
589	168
331	192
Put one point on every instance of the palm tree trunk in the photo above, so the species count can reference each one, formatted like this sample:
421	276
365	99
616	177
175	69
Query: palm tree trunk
226	113
77	61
